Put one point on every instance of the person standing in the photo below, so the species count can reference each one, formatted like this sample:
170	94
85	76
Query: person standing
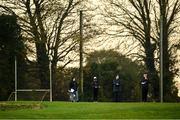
144	87
74	86
116	89
95	86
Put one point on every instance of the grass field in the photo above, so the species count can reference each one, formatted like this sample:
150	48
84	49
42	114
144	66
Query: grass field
87	110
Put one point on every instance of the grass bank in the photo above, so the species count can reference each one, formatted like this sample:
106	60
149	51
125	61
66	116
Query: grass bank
86	110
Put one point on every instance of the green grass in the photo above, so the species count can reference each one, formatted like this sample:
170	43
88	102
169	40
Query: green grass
90	110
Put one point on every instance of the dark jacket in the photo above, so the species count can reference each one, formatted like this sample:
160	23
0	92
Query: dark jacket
116	85
144	83
95	84
73	85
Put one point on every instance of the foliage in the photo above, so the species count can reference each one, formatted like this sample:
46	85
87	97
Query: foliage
106	65
11	45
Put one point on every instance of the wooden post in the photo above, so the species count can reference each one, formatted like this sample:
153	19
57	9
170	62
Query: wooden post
81	53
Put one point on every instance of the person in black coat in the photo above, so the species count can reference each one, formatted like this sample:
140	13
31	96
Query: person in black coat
116	89
144	87
74	85
95	86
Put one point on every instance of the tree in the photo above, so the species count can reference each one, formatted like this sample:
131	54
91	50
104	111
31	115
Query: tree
52	29
169	10
106	65
140	20
11	45
50	25
137	24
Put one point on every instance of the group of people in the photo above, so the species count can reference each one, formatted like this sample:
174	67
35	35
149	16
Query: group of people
116	85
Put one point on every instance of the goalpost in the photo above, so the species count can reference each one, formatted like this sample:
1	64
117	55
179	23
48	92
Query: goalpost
33	90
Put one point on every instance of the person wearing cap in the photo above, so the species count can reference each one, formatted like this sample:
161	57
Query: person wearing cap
116	89
95	86
144	87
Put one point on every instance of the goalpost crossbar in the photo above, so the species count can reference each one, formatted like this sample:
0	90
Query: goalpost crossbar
31	90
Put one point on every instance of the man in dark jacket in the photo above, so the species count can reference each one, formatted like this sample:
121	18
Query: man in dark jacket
95	86
116	89
74	86
144	87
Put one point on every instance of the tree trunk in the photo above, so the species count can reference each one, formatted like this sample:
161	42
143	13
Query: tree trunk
153	74
43	64
54	72
167	74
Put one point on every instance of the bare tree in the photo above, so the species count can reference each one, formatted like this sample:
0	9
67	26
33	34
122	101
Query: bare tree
52	26
140	19
170	11
49	24
134	18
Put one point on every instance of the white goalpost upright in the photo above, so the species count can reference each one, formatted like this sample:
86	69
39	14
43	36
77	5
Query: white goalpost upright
50	77
15	72
161	51
31	90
